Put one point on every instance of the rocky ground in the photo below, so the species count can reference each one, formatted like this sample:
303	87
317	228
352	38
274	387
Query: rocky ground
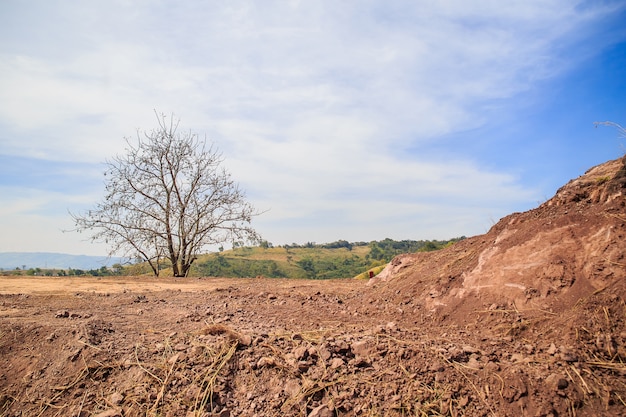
526	320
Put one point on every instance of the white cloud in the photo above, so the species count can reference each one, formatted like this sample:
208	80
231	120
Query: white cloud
410	69
320	107
35	220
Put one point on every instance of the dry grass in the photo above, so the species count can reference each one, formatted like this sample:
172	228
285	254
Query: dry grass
221	329
218	360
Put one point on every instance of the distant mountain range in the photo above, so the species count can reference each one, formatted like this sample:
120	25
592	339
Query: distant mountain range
43	260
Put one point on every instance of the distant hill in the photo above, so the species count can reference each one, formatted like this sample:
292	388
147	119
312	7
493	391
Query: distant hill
340	259
27	260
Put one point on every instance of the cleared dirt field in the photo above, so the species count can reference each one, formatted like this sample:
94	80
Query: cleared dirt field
526	320
65	285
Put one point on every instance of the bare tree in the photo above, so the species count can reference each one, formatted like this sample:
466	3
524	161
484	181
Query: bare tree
168	197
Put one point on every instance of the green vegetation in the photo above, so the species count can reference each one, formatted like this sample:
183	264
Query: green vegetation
339	259
116	269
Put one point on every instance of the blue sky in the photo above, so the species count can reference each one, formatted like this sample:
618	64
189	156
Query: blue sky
355	120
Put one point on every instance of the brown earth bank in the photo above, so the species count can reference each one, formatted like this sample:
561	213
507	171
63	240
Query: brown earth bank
526	320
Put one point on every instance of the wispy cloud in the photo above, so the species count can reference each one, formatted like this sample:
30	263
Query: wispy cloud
326	111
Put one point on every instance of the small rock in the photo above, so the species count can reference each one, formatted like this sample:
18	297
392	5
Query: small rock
192	392
74	355
180	347
196	351
244	339
322	411
436	367
457	355
336	363
517	357
140	299
303	366
61	314
360	348
470	349
492	366
556	382
266	361
474	363
360	362
111	412
341	347
552	349
568	355
324	353
292	387
301	352
116	398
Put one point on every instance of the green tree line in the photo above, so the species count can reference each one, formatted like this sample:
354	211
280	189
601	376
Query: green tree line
340	259
103	271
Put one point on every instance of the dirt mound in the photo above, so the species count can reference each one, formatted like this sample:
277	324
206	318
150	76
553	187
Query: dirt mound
547	258
528	319
559	270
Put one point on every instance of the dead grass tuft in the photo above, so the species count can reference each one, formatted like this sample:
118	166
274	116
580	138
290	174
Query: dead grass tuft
221	329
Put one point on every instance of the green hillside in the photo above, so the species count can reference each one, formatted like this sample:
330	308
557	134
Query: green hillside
339	259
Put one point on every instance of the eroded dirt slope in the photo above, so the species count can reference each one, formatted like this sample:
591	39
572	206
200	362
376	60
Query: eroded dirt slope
544	259
559	269
526	320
